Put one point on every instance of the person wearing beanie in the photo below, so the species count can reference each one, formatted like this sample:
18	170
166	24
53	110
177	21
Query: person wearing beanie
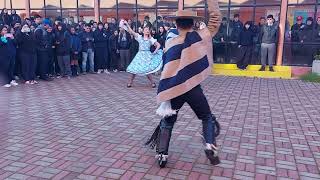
269	37
296	47
306	37
75	51
43	47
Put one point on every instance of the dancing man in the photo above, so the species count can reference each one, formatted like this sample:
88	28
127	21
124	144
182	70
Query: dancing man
186	63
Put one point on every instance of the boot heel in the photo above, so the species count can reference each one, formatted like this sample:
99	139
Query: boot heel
214	159
162	160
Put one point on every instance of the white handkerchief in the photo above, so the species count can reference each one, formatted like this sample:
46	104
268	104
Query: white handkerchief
122	25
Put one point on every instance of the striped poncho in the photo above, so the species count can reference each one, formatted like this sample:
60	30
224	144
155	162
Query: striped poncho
187	59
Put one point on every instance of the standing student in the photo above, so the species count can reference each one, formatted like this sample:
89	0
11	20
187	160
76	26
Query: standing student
7	57
87	42
28	54
101	37
63	49
245	45
114	52
75	51
269	38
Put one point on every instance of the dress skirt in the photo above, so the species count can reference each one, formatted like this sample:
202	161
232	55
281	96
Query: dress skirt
145	63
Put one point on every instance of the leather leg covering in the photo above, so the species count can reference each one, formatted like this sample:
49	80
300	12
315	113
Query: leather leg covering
164	137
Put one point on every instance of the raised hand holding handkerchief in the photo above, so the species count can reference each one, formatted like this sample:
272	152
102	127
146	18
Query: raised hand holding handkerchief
123	25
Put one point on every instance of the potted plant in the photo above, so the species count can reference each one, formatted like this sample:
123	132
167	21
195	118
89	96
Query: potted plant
316	64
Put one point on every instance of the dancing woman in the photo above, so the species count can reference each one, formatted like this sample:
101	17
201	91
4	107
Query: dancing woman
145	62
187	62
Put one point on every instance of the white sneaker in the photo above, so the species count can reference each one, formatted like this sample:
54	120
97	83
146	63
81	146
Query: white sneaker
14	83
106	71
27	82
99	71
34	82
7	86
116	70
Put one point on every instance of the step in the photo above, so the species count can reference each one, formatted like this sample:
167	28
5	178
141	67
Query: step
283	72
250	67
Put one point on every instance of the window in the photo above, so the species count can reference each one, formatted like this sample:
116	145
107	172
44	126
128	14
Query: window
144	14
220	39
265	11
36	4
200	12
67	13
193	3
301	1
53	13
301	40
127	13
242	2
87	14
34	12
167	3
166	12
107	14
126	3
52	4
146	3
69	3
108	4
275	2
86	3
235	27
5	4
260	13
16	4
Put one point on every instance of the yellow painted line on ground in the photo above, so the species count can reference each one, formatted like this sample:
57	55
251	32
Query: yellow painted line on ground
252	71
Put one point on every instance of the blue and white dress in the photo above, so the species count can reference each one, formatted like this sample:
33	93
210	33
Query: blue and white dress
145	62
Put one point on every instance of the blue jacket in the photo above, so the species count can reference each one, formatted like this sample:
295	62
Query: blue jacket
75	43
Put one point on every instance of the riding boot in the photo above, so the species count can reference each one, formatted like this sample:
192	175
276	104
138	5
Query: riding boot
163	143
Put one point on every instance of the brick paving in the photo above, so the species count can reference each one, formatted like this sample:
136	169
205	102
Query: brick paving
93	127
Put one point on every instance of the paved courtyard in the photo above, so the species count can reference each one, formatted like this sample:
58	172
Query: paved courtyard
93	127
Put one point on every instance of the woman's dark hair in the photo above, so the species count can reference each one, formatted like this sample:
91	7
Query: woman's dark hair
2	27
184	23
143	27
164	30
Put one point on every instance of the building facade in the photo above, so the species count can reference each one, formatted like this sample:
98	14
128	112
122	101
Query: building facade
291	50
